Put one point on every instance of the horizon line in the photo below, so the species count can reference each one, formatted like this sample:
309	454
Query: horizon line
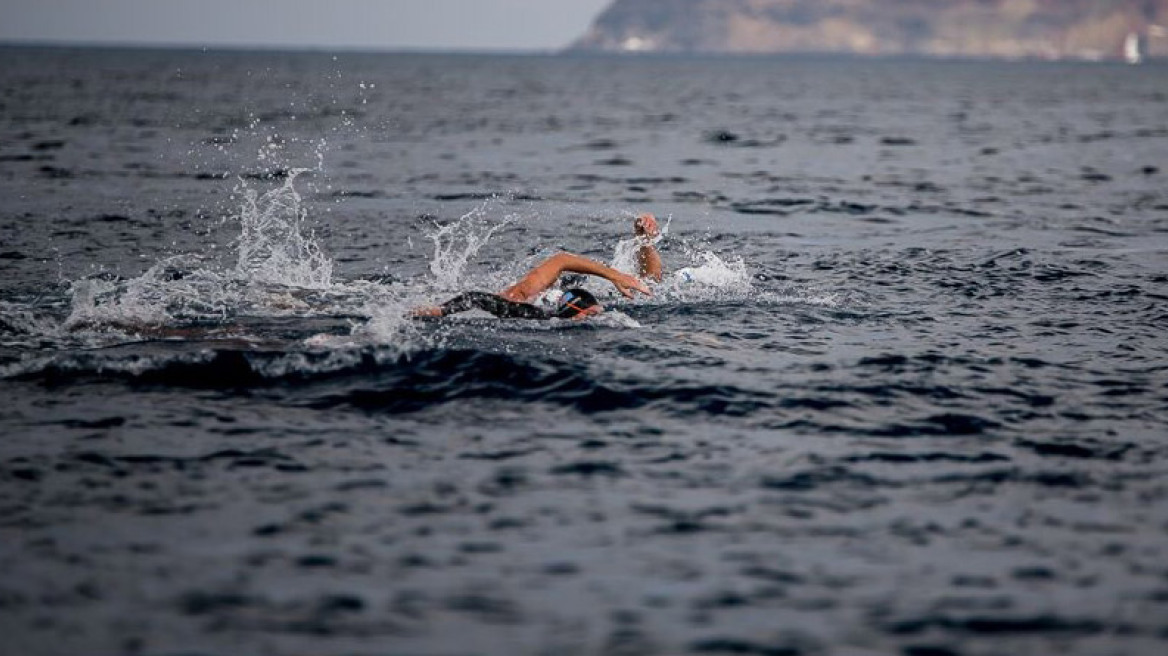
569	50
22	42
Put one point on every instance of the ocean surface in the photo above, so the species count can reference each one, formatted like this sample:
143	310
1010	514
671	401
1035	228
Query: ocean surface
903	390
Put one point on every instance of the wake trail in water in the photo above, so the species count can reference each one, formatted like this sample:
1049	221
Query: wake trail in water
281	271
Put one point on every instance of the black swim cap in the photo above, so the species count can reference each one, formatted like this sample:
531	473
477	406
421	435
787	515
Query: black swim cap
573	302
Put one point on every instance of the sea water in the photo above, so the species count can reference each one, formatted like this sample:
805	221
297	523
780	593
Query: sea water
904	387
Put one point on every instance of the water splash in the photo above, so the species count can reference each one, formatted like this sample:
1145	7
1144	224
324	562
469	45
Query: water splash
706	276
277	258
274	244
154	298
387	321
710	270
457	243
711	277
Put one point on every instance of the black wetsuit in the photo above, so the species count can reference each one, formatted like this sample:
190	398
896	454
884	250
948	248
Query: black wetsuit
495	304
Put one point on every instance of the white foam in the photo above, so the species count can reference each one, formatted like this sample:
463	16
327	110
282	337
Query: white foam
614	319
388	322
140	301
708	277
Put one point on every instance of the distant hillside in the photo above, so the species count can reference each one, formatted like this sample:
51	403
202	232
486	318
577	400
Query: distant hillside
1013	29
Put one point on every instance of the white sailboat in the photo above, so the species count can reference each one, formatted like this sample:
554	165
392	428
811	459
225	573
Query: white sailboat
1133	49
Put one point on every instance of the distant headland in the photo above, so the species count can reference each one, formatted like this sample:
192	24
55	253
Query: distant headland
1094	30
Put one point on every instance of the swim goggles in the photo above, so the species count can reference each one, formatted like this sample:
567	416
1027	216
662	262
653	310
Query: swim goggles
566	301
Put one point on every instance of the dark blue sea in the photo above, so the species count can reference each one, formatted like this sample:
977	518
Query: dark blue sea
903	389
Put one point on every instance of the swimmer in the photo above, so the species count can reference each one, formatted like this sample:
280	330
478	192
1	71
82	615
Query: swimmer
526	299
533	298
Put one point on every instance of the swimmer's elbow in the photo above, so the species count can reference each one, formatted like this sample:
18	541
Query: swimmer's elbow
561	259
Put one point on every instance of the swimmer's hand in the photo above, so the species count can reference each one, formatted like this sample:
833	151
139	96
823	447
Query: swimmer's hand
425	311
645	225
626	284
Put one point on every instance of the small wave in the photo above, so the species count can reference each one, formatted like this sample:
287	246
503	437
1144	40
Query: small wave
381	379
173	365
440	376
19	321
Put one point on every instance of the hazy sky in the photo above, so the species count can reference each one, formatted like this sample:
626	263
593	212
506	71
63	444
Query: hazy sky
436	24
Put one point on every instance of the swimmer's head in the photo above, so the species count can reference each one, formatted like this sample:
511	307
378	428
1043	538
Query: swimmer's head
577	303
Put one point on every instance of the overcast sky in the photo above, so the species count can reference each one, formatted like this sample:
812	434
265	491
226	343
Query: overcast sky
379	24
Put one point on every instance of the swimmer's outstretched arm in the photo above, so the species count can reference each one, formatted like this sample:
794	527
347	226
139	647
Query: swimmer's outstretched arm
539	279
648	259
546	274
